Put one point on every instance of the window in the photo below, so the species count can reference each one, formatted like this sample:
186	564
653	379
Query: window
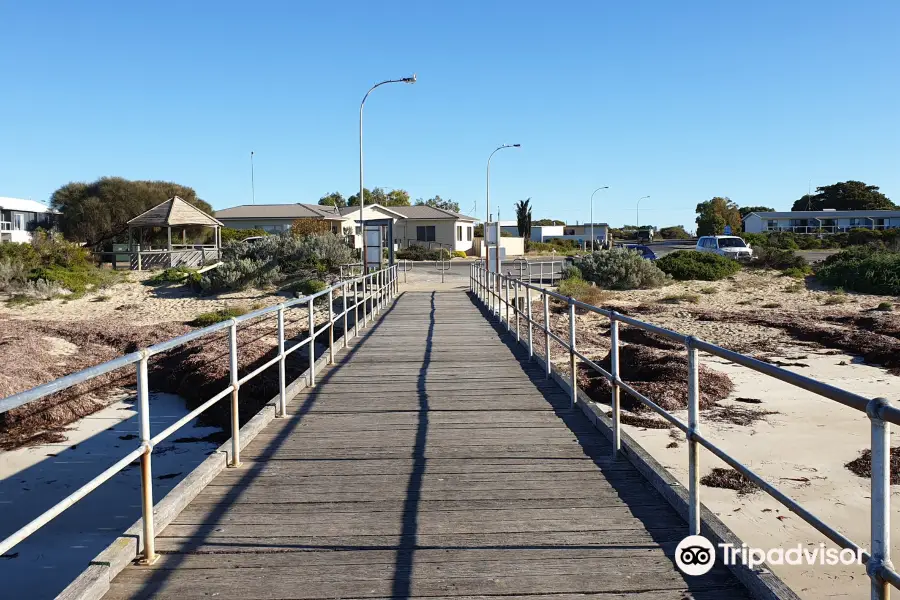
469	230
459	233
18	221
773	224
425	233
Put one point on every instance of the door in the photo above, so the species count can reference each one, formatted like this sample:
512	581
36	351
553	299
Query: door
19	221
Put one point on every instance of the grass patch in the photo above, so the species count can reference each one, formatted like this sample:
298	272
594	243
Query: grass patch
771	305
217	316
797	272
708	290
173	275
680	299
835	299
21	301
729	479
582	291
794	288
885	307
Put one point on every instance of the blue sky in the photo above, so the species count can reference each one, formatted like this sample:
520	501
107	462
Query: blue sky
679	101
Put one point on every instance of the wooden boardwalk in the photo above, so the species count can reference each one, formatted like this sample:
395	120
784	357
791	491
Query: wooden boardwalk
431	461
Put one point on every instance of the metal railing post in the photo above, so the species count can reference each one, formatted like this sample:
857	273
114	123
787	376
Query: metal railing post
516	306
614	384
356	307
506	295
282	378
312	344
235	414
693	445
330	327
530	325
344	296
572	354
547	334
881	500
143	393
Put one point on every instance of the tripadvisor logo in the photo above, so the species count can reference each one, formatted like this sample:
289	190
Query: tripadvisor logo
695	555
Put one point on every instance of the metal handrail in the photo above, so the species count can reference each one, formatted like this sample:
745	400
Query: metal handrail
377	288
492	290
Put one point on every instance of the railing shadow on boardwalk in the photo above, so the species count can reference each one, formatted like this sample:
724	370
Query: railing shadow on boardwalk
160	576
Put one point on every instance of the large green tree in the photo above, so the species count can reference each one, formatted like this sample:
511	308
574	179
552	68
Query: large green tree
397	197
674	232
99	211
374	196
333	199
746	210
845	195
715	214
439	202
548	222
523	218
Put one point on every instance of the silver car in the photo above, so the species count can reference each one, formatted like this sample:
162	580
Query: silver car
725	245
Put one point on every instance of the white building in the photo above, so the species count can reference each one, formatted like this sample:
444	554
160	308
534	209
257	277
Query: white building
821	221
19	217
413	225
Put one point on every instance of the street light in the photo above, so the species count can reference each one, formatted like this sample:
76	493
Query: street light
637	213
362	199
593	239
487	212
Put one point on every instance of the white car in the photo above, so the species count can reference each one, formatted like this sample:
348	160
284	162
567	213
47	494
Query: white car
725	245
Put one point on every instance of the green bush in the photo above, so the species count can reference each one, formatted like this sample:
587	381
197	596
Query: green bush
422	253
620	269
217	316
863	269
570	271
777	258
307	287
171	275
690	264
459	254
885	306
581	290
236	235
797	272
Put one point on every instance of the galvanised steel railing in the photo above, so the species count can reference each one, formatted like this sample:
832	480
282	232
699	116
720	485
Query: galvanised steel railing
371	292
493	291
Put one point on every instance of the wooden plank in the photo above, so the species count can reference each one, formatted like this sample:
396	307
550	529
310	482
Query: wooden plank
428	462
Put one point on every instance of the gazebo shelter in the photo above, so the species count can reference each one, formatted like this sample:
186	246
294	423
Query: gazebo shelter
173	213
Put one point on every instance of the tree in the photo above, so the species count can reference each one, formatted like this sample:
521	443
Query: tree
397	198
548	222
439	202
99	211
675	232
304	227
715	214
523	218
746	210
374	196
845	195
333	199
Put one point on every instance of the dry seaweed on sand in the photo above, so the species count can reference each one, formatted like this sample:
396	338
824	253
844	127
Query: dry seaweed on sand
641	421
729	479
658	375
736	415
862	466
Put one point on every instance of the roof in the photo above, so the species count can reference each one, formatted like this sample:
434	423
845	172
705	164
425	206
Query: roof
826	214
279	211
20	204
418	211
347	211
173	211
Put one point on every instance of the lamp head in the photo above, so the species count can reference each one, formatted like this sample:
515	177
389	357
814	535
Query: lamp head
517	145
409	79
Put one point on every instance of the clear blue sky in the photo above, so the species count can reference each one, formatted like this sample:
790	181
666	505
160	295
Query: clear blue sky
680	101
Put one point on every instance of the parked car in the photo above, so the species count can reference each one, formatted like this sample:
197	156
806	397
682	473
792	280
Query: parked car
253	240
644	250
725	245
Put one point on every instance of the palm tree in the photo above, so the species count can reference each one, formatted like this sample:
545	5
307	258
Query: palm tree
523	218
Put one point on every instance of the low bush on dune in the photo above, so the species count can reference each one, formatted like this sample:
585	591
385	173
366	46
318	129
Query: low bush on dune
863	269
687	265
581	290
620	269
422	253
217	316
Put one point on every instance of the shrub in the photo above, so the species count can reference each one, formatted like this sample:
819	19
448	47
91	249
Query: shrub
885	306
797	272
236	235
679	298
171	275
620	269
304	227
459	254
581	290
777	258
676	232
422	253
307	287
690	264
863	269
835	299
570	271
217	316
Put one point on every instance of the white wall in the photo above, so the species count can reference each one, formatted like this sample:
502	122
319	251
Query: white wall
753	224
445	232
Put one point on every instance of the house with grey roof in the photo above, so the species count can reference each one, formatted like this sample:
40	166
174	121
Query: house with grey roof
821	221
19	217
412	225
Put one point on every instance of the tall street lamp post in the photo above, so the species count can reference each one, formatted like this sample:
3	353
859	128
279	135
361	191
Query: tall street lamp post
487	212
594	239
637	212
362	199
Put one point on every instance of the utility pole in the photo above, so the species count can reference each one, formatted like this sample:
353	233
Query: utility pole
252	180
